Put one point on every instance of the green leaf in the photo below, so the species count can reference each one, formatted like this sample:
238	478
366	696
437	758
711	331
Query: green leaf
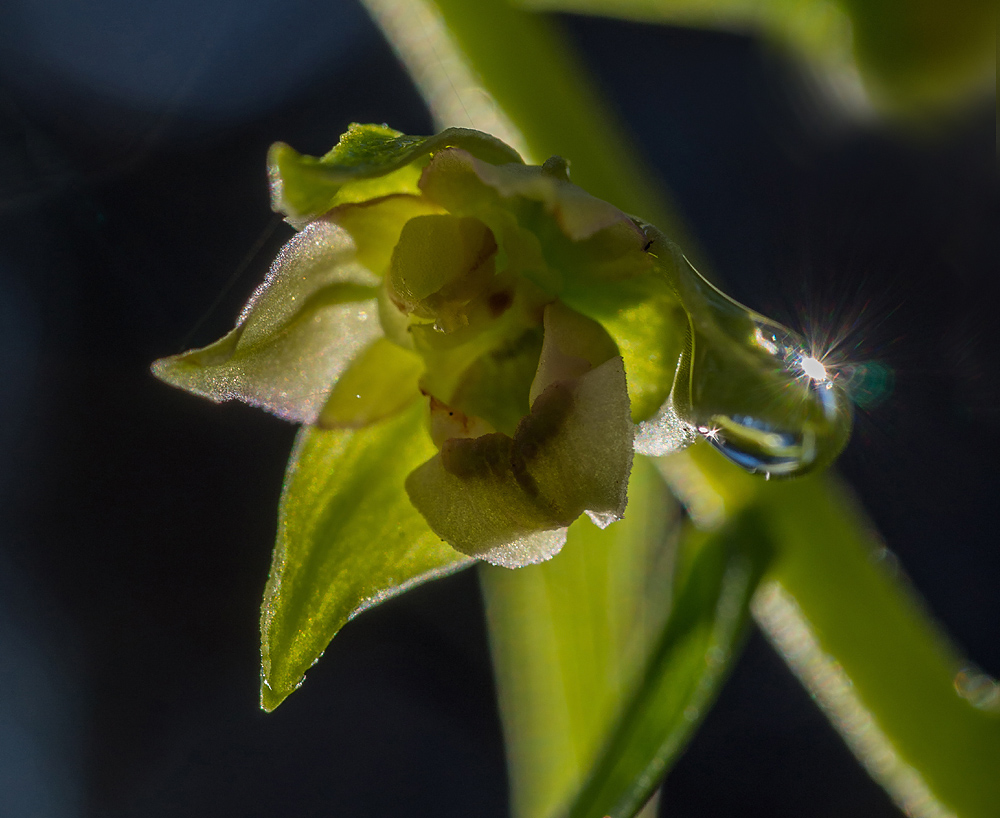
304	187
315	310
348	539
924	53
717	574
571	636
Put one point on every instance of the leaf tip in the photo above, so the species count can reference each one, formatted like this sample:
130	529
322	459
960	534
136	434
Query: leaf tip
274	690
269	697
173	370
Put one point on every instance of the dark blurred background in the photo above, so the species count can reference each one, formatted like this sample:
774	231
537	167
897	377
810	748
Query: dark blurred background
137	521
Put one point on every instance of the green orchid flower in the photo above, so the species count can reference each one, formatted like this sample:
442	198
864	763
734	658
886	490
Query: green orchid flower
476	349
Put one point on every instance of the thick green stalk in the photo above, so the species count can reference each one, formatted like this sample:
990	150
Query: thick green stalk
863	645
861	641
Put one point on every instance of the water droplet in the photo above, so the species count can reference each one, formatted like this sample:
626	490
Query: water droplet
603	519
750	386
758	394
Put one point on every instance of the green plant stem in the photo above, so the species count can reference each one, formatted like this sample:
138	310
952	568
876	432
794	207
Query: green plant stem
862	642
865	647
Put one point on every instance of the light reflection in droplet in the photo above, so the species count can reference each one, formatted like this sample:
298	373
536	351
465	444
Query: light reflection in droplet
769	448
813	368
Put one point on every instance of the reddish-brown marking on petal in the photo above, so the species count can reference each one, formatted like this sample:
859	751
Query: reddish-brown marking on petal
485	456
499	302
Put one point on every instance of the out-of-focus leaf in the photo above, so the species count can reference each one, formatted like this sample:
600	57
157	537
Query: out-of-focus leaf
348	539
919	54
924	52
358	167
570	638
315	310
717	574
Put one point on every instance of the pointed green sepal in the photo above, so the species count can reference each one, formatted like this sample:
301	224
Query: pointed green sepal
316	309
348	539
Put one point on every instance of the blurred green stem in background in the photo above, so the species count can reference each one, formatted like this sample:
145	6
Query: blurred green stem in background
915	59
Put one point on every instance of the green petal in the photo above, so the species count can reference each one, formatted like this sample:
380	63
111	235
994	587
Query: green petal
572	345
440	263
315	310
348	539
375	225
471	497
586	462
572	454
381	381
495	387
580	233
304	187
578	214
645	318
498	321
